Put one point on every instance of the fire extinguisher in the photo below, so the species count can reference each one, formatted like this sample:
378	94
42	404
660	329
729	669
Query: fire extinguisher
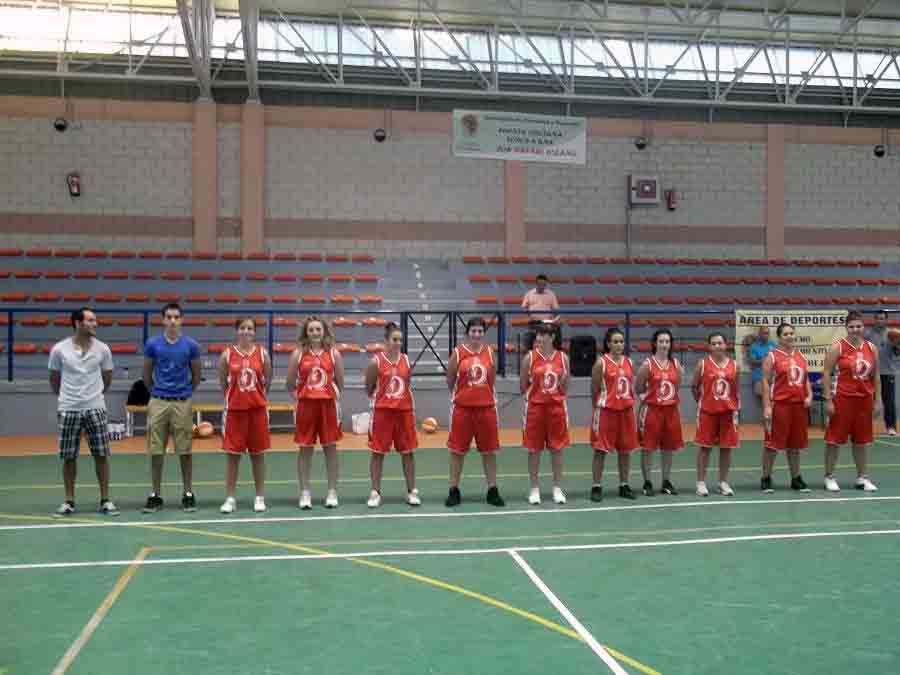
671	199
73	180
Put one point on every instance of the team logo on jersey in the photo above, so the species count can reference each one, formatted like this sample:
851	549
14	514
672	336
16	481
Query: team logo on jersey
623	387
395	388
317	378
795	375
247	380
477	374
862	369
666	391
721	389
550	382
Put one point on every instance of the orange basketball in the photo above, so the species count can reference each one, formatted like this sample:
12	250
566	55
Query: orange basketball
205	429
429	425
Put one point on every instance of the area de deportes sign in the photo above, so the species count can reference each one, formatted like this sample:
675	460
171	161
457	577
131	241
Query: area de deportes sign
814	331
521	136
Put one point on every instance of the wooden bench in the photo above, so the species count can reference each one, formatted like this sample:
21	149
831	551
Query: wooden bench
198	409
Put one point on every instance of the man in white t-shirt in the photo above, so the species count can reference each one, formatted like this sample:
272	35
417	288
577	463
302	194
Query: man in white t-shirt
80	373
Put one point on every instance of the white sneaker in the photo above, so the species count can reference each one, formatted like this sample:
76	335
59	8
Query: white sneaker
412	498
702	490
863	483
534	497
259	504
229	505
892	431
831	485
305	500
725	489
331	500
559	497
373	503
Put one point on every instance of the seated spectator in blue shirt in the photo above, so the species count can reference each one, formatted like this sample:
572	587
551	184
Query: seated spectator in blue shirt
759	350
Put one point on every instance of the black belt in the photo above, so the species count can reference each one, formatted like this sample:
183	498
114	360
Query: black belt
172	398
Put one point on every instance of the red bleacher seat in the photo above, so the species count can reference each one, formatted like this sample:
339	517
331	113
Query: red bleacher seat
259	255
288	256
515	300
848	263
231	255
713	261
473	259
619	300
507	279
375	347
85	274
671	300
167	297
11	252
344	321
869	263
334	257
583	279
480	278
284	321
803	263
779	262
178	255
256	276
226	298
824	282
547	259
38	253
799	281
843	300
204	255
593	300
105	321
646	300
137	297
26	274
824	262
619	260
223	321
283	347
890	300
123	348
374	321
123	254
728	281
366	278
284	299
131	321
519	321
607	279
172	276
347	347
285	278
498	260
597	260
66	253
713	322
685	322
632	279
608	322
144	276
150	255
62	322
522	259
312	278
76	297
869	282
46	297
313	299
569	300
747	300
556	279
868	301
643	260
256	298
658	280
196	298
362	258
156	321
37	320
25	348
578	321
339	277
201	276
14	297
230	276
820	301
795	301
217	347
697	300
342	299
529	278
107	297
845	282
572	260
486	300
95	253
5	274
115	275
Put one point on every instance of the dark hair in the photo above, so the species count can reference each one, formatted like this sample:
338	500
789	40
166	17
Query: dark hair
242	319
476	321
390	328
656	334
545	329
709	338
327	333
782	326
607	339
541	276
171	305
882	313
853	315
78	315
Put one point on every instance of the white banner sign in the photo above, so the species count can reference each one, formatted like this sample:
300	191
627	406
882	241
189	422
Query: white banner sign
520	136
814	331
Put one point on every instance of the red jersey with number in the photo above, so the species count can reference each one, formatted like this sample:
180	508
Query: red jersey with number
393	391
718	386
475	378
662	383
246	384
616	389
855	369
315	375
546	376
789	376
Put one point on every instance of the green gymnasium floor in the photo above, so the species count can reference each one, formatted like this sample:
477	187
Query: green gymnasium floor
783	583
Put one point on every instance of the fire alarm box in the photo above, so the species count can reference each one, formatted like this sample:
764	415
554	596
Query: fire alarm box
643	190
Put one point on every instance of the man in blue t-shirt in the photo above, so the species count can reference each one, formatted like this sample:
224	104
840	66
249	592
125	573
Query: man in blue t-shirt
171	373
759	350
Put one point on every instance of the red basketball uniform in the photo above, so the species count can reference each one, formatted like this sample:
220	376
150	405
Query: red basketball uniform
245	418
717	416
659	421
393	420
854	395
788	428
546	420
318	413
473	407
613	426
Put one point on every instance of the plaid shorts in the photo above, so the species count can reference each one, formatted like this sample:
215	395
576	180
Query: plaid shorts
92	423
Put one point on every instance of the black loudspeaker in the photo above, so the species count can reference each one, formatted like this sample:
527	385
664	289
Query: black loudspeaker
582	354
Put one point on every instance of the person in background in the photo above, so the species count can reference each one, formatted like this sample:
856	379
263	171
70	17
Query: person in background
888	355
756	353
541	304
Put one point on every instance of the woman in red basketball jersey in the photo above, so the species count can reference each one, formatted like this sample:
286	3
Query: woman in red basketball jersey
786	396
316	380
245	375
393	421
613	427
659	421
473	411
543	379
852	402
715	388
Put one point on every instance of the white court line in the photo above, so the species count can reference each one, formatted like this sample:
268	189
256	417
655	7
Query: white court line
708	502
585	634
446	552
893	445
